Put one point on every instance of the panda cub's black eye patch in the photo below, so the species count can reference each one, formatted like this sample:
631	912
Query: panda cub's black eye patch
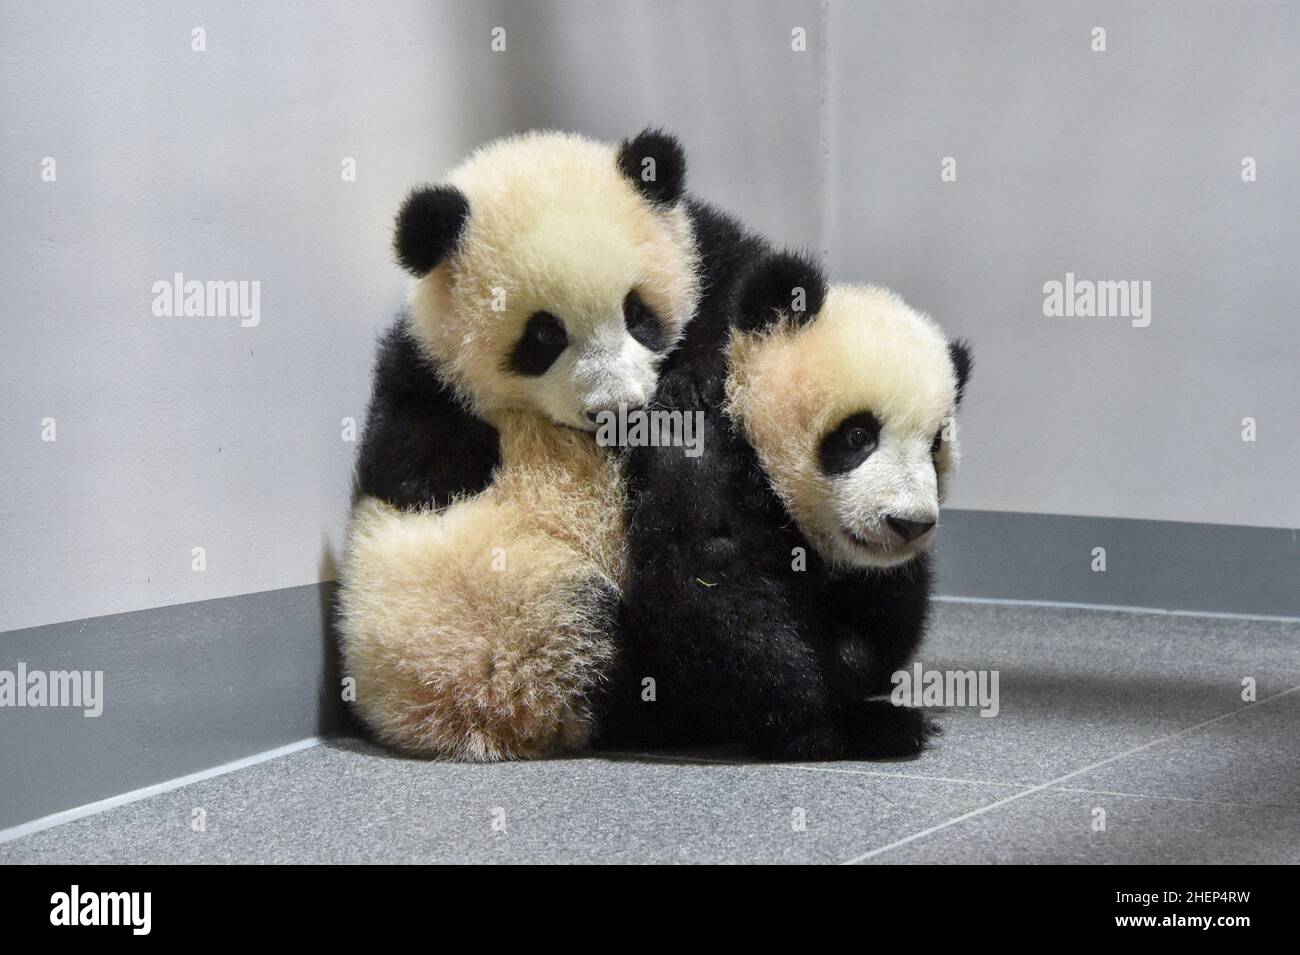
850	443
543	340
642	324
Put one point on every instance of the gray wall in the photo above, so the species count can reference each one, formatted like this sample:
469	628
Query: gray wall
195	432
1117	165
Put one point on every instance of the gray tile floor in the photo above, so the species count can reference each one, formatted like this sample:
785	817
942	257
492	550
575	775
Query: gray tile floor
1139	717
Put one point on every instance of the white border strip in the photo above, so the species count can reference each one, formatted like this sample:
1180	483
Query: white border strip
1118	608
112	802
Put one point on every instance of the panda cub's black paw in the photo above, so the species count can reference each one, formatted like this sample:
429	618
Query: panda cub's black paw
873	729
877	729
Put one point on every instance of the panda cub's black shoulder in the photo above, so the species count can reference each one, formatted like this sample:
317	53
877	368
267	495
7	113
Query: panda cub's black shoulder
725	247
420	447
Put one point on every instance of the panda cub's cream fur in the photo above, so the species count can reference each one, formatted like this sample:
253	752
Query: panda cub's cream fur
867	351
554	227
475	632
476	629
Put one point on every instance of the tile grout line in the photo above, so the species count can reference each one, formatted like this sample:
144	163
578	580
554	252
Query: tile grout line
809	768
919	777
674	758
962	781
1055	783
957	780
1192	799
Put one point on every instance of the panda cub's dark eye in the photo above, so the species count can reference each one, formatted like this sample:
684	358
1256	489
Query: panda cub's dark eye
547	334
543	340
850	443
642	324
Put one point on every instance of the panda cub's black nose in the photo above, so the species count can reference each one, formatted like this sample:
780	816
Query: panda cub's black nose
908	530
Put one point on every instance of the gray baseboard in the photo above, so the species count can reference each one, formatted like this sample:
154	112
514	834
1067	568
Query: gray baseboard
1164	565
199	685
186	688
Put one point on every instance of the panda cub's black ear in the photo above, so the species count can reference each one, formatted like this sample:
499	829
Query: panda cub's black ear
785	283
655	163
962	362
429	226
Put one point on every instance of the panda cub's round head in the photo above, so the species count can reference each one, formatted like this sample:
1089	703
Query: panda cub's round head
848	398
553	272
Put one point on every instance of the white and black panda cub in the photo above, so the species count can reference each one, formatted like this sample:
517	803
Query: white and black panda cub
778	580
486	545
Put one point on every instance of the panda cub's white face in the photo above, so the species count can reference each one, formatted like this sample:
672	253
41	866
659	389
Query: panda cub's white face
566	281
573	369
883	495
851	416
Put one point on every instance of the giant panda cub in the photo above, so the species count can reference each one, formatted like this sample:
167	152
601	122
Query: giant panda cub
486	544
779	579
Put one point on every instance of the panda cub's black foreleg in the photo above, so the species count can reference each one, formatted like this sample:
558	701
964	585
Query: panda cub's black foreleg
710	653
874	623
420	448
716	650
862	723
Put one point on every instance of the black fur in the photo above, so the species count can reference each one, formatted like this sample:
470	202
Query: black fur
420	446
742	647
770	288
962	363
840	453
669	182
429	226
543	340
642	323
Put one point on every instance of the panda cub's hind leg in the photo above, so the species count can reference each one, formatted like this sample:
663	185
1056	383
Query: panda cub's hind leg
547	641
467	637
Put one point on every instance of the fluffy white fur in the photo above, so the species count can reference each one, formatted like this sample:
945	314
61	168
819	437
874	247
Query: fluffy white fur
865	351
477	631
